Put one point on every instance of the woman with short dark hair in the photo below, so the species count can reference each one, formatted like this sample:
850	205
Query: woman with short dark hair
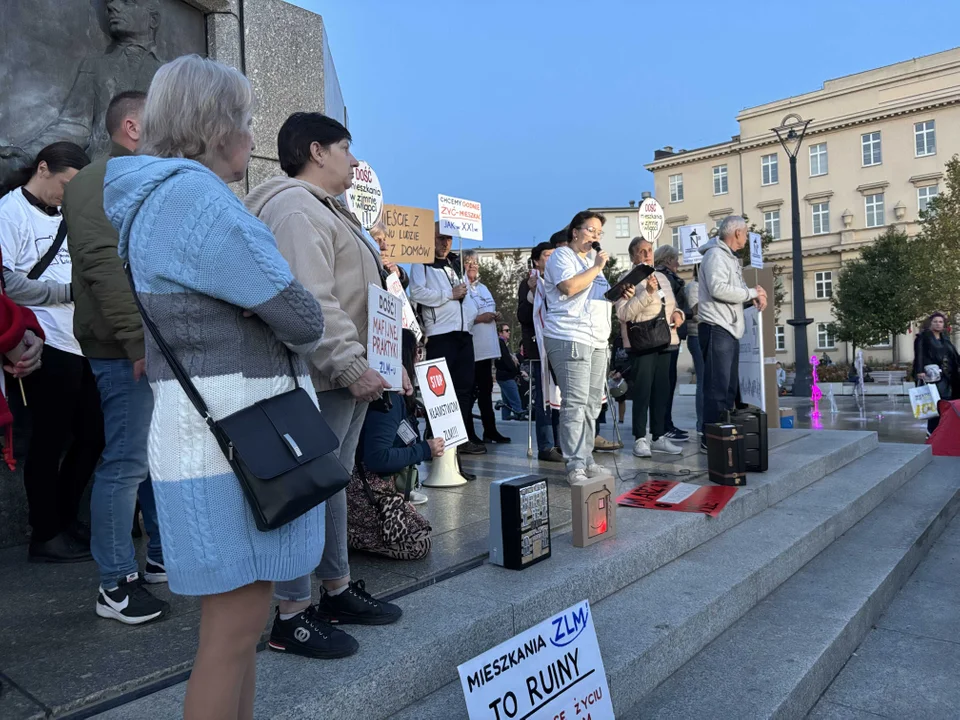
936	361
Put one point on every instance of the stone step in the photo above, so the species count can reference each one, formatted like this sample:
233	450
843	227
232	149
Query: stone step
778	659
652	627
448	623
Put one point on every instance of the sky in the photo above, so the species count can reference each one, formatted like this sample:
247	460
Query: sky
539	109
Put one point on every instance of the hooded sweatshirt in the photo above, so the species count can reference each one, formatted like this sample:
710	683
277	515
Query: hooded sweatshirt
722	288
329	255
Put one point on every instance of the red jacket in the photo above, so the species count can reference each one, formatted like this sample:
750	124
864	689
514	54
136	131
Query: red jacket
14	321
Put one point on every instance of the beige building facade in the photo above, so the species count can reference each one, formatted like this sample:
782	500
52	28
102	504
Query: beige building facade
873	156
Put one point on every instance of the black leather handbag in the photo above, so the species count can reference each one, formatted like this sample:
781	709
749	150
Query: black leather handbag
280	448
650	335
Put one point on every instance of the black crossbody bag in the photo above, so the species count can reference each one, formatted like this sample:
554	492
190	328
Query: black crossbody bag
650	335
280	448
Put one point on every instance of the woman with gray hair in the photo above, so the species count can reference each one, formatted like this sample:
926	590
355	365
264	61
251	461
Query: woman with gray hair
210	277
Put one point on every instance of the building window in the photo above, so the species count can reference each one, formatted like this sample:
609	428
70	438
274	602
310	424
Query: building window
818	159
623	227
781	335
925	195
675	236
771	223
824	284
821	218
825	338
676	188
768	170
870	143
720	180
874	205
925	133
885	345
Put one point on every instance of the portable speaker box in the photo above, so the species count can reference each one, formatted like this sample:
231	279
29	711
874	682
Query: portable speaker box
519	521
752	424
726	454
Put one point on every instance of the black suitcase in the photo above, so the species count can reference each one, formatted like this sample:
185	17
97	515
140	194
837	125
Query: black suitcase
726	454
752	424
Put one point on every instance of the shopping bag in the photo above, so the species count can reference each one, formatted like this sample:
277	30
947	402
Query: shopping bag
924	401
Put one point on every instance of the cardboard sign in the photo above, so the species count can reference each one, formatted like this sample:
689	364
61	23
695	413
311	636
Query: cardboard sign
384	343
408	318
651	219
460	218
691	238
751	360
410	236
756	250
656	495
553	670
440	401
364	197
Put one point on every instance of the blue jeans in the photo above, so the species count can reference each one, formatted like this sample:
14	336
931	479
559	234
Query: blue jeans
510	394
693	345
546	419
123	472
721	371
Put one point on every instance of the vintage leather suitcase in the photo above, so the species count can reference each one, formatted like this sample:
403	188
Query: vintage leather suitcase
752	424
726	454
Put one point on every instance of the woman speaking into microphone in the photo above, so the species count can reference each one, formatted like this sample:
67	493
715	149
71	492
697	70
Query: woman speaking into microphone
577	337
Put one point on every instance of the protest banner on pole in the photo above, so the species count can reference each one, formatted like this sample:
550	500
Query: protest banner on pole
756	250
410	234
460	218
651	220
552	670
384	343
751	360
440	402
408	318
691	238
364	197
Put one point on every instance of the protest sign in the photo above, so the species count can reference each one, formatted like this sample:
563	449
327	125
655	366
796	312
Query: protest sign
440	402
383	335
651	220
682	497
407	317
691	238
364	197
460	218
756	250
553	670
410	235
751	359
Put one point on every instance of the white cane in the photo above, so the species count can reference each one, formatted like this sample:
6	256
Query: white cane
530	411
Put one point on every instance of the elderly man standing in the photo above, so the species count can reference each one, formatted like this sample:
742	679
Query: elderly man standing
723	293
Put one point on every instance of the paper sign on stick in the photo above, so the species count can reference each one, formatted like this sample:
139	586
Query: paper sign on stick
364	197
460	218
756	250
752	381
410	235
553	670
691	238
440	401
408	318
651	219
384	343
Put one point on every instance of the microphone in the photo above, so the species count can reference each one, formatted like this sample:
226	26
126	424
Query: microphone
595	245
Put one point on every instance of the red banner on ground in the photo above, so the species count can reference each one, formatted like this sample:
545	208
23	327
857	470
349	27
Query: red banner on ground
707	499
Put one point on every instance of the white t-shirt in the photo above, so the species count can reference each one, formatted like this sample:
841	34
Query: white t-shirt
486	342
26	234
584	317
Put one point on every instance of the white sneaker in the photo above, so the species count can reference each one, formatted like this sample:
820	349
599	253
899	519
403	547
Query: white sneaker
641	448
663	445
597	470
417	497
575	476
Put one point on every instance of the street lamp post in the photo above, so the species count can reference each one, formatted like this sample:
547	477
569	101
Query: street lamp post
790	134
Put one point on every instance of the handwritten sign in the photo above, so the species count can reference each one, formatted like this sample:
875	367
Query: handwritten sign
553	670
691	238
408	318
751	359
384	343
364	197
460	218
440	402
410	236
756	250
661	495
651	219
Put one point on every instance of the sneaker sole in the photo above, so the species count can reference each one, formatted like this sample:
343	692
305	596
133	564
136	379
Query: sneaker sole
316	655
669	452
641	455
154	578
109	613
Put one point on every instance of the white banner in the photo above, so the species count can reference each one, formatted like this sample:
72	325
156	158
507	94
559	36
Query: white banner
691	238
384	343
408	317
751	360
440	401
756	250
460	218
553	670
651	219
364	197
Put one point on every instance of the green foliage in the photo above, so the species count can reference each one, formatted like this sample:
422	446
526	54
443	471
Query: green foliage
935	252
502	277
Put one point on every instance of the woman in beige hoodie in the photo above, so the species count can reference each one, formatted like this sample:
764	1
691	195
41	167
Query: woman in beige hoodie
650	370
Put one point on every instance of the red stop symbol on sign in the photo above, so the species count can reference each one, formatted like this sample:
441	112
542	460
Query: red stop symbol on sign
436	381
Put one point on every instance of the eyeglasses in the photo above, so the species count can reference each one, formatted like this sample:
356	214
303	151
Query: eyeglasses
592	232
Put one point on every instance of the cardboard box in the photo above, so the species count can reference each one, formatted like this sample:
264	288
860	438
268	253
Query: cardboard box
788	418
594	510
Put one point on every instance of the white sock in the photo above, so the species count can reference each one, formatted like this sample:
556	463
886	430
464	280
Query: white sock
341	589
288	616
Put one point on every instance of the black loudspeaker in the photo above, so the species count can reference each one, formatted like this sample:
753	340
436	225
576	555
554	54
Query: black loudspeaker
752	424
519	521
726	454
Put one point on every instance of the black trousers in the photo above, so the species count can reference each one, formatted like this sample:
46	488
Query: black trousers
457	348
674	356
483	392
650	393
66	440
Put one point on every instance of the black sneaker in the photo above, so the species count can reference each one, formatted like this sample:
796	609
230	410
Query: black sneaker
677	435
472	448
154	573
307	634
355	606
551	455
496	438
130	602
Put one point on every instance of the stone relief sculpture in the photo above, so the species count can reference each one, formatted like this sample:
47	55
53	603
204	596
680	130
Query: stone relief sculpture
128	63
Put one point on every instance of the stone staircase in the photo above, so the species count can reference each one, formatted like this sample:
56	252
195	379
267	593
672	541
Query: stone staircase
746	615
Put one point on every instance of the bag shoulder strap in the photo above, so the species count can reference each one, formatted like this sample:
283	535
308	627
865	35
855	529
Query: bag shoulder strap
43	263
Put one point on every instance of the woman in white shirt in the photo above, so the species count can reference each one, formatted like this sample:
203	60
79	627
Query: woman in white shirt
62	395
577	338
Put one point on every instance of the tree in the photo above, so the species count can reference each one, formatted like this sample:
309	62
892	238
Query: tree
502	277
935	252
875	297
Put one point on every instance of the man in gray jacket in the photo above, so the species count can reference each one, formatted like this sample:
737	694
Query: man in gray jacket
723	294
